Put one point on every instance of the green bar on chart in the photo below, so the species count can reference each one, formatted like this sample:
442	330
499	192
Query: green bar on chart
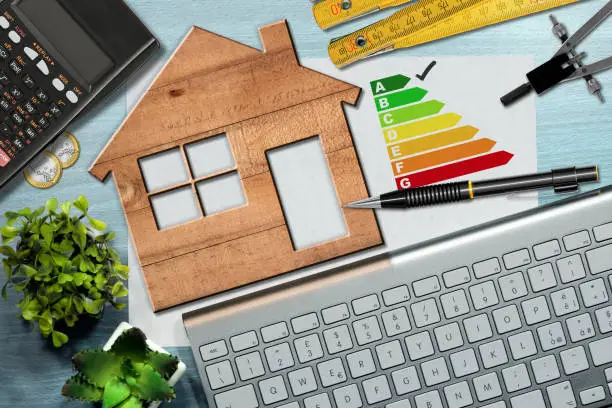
397	99
410	112
389	84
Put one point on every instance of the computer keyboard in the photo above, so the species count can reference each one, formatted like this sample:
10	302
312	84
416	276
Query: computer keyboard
514	313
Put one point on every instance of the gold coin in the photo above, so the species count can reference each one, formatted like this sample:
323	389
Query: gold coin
67	149
44	171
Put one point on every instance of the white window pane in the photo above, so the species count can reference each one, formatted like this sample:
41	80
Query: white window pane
308	198
210	156
163	170
175	207
221	193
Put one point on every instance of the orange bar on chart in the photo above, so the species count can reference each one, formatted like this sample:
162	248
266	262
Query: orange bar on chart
421	127
435	141
442	156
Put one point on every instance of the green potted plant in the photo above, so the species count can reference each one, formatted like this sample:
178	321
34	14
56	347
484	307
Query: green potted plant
129	372
63	265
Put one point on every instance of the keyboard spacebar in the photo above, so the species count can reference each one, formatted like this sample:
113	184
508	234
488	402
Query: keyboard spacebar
243	397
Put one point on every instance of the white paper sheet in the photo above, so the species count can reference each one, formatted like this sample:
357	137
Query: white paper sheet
470	87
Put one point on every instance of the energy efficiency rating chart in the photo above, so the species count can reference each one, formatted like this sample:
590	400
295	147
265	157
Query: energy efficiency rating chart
424	145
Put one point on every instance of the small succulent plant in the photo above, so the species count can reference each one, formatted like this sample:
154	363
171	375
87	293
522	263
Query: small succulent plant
129	375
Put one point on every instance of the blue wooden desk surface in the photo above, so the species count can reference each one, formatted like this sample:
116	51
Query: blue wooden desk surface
573	128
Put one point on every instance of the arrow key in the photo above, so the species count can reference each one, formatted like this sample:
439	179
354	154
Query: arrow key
561	395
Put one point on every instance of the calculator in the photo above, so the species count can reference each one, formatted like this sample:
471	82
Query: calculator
58	58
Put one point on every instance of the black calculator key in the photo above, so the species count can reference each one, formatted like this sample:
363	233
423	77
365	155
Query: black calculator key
55	110
31	133
28	81
5	130
18	142
16	93
41	95
4	54
5	104
29	107
4	79
16	67
17	118
9	122
43	122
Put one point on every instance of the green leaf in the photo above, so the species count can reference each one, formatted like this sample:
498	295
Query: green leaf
52	204
66	207
121	270
10	215
99	367
64	277
47	232
59	259
9	233
77	387
119	290
115	392
45	324
7	251
71	320
29	271
82	204
59	339
38	212
26	212
94	307
96	224
131	344
4	294
163	363
30	309
131	402
119	306
150	386
78	304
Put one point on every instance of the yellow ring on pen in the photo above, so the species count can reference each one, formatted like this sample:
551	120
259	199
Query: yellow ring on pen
471	188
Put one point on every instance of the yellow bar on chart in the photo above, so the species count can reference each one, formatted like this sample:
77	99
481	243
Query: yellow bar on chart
421	127
423	144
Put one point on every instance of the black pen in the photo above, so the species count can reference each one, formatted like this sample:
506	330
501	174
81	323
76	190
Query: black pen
562	180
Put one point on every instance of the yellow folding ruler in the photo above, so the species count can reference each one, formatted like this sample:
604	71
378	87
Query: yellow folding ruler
329	13
430	20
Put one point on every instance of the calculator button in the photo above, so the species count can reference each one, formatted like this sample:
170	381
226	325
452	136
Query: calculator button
72	97
30	53
16	67
5	130
4	158
4	79
28	81
55	110
42	67
4	54
43	122
5	105
29	107
4	23
31	133
57	84
14	37
40	94
17	118
16	93
19	143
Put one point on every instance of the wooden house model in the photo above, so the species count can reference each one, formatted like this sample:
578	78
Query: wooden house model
214	87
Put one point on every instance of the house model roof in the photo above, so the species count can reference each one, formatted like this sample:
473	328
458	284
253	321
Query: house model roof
196	91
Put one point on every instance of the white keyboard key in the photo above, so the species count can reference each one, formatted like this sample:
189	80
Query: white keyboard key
396	295
331	372
484	295
366	304
456	277
477	328
318	401
507	319
44	69
516	378
338	339
574	360
448	336
533	399
601	351
498	404
361	363
14	37
522	345
396	321
535	310
406	380
458	395
308	348
220	375
493	354
517	259
608	373
513	286
454	304
273	390
580	327
274	332
603	232
290	405
592	395
425	313
32	55
335	314
551	336
244	341
250	366
428	400
4	23
604	319
214	350
367	330
487	387
376	389
348	397
464	363
561	395
600	259
304	323
243	397
546	250
576	241
435	372
564	301
487	268
405	403
542	277
302	381
390	354
58	84
571	268
419	346
279	357
594	292
545	369
426	287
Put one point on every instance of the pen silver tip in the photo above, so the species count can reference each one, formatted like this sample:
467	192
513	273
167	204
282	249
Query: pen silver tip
373	202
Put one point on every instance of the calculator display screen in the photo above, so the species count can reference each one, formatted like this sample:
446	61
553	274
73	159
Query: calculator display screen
66	36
